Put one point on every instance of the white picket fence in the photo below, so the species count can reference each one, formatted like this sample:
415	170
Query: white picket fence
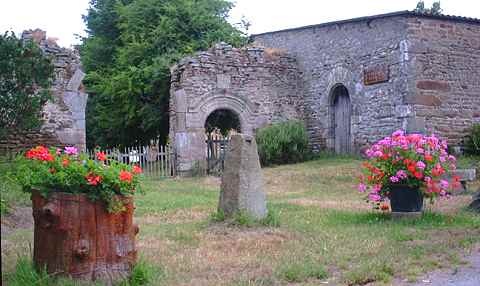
156	160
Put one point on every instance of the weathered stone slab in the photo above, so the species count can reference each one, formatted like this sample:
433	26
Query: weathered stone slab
75	81
433	85
242	182
475	205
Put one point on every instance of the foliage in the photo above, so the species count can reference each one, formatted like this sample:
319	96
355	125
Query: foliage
472	144
282	143
57	170
10	192
127	58
25	76
414	160
434	10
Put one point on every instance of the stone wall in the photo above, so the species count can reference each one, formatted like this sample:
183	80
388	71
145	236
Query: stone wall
63	116
446	94
335	54
259	85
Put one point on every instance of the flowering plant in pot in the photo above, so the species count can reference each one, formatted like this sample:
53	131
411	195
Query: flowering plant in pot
83	213
65	170
405	169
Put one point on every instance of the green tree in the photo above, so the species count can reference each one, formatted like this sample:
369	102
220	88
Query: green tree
25	78
434	10
127	58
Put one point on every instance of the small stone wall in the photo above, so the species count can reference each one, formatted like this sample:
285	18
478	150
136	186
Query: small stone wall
259	85
64	116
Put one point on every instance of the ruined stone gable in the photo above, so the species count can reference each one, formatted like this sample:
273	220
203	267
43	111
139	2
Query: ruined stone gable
63	116
259	85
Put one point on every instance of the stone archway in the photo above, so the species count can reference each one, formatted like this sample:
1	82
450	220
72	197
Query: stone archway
189	128
260	86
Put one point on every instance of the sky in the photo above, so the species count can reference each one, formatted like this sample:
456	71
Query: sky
62	19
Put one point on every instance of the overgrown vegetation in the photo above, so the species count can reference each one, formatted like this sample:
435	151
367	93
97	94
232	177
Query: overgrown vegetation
472	143
127	57
282	143
25	76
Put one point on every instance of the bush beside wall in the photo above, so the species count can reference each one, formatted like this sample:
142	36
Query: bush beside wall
282	143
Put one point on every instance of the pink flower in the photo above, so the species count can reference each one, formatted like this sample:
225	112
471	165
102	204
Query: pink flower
394	179
71	150
402	174
427	179
420	150
420	165
377	154
442	159
452	158
444	184
362	187
374	197
376	188
398	133
58	151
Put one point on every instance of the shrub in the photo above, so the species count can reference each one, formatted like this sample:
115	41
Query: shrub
282	143
472	144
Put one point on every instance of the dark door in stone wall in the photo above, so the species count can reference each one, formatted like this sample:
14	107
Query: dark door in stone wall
341	120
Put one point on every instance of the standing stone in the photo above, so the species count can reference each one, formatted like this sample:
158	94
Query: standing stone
242	182
475	205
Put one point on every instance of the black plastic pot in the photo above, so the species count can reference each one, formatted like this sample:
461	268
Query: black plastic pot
404	198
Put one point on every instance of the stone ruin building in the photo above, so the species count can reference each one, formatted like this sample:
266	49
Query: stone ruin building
351	82
63	116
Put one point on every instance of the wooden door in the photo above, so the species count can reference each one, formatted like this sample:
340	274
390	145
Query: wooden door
342	114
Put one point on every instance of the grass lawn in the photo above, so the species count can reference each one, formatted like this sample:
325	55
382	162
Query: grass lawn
326	233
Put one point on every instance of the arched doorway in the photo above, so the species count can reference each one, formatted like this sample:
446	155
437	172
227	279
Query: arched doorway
341	118
219	125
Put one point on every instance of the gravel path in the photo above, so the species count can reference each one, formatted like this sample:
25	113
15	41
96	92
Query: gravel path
468	275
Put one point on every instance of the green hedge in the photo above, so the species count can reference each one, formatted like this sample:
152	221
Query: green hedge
282	143
472	144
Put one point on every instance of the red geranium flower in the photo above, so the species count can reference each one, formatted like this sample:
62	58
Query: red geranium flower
93	179
125	176
101	156
65	162
137	170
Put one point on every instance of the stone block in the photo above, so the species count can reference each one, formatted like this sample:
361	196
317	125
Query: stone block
427	100
416	125
75	81
180	101
242	182
438	85
223	81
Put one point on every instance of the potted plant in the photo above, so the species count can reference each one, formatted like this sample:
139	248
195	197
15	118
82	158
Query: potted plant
406	168
83	212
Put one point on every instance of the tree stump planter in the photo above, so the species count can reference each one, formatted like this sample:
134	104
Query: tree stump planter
76	237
